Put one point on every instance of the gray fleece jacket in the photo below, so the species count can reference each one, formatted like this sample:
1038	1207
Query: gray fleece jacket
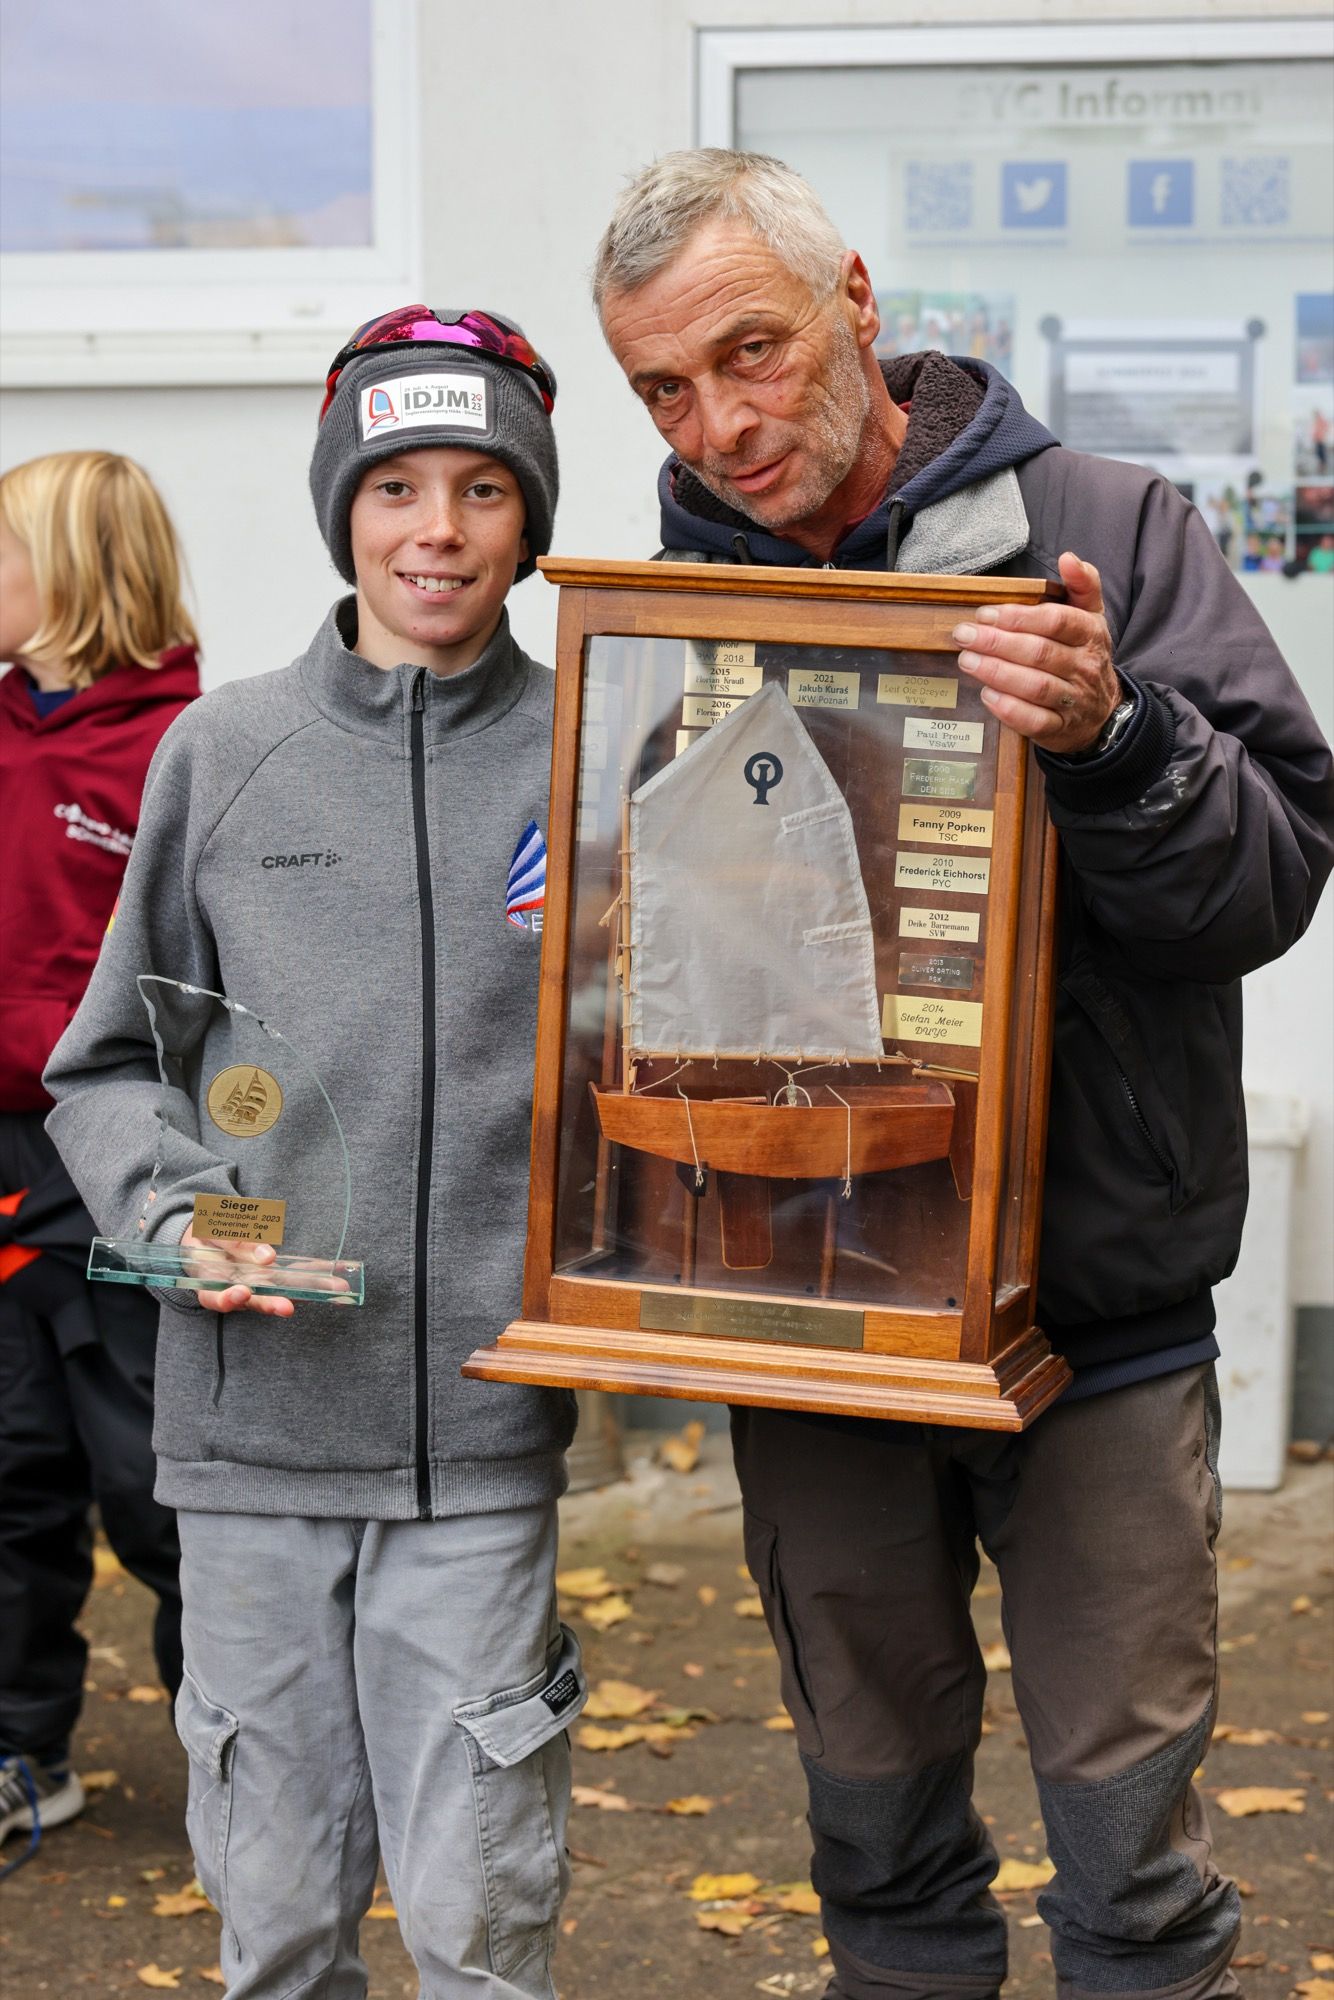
389	962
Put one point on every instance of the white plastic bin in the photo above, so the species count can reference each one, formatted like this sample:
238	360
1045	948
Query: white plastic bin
1255	1310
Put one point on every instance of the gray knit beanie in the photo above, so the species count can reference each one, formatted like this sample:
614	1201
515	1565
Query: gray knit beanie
406	398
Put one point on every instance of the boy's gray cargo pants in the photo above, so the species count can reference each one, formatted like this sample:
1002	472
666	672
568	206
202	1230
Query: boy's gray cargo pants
357	1688
1101	1519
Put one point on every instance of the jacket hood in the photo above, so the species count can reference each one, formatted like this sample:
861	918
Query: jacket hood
965	423
121	691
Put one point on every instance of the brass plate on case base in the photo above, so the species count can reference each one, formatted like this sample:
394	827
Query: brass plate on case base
752	1319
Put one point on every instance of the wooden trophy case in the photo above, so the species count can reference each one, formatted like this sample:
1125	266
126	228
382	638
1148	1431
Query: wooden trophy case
794	1029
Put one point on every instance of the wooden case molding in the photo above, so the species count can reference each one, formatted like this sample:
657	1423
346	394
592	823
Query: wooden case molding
695	1228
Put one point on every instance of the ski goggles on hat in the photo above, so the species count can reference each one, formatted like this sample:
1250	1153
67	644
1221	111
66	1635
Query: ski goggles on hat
413	326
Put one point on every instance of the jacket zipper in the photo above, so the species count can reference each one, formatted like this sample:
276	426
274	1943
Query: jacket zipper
1142	1125
426	1129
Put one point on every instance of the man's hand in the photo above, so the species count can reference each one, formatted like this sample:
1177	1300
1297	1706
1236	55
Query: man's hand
1046	669
229	1260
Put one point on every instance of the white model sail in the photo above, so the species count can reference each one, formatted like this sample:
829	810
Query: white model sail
750	931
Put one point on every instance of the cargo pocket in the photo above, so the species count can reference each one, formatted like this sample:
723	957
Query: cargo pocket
761	1542
519	1760
209	1736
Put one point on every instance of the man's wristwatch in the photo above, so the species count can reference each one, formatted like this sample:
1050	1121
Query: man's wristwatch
1111	732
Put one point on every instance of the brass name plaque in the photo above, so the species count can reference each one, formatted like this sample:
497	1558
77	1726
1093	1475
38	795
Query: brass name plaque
938	778
918	691
701	711
959	826
814	687
240	1217
939	732
751	1319
936	969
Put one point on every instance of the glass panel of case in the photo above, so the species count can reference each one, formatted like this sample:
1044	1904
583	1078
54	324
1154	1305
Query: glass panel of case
778	937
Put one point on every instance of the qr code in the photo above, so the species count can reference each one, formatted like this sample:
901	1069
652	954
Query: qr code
939	195
1256	192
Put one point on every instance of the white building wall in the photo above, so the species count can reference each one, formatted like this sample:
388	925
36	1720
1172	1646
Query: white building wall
530	118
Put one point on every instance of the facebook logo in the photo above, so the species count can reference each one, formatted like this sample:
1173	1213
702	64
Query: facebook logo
1033	194
1160	194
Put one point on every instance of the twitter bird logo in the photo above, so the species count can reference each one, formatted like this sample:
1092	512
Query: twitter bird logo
1033	194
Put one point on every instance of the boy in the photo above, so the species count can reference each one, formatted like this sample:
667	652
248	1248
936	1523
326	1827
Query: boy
372	1653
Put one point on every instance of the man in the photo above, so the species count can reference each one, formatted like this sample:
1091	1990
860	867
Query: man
373	1660
1192	793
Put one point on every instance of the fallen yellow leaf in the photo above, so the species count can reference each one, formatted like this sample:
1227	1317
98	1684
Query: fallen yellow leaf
1014	1874
707	1595
106	1566
382	1910
608	1611
99	1781
1246	1799
1308	1715
156	1975
748	1607
188	1903
584	1583
1303	1603
589	1795
820	1949
681	1453
800	1902
693	1805
116	1902
779	1722
721	1888
1322	1961
996	1657
1247	1739
213	1973
618	1701
592	1737
147	1694
1315	1989
730	1922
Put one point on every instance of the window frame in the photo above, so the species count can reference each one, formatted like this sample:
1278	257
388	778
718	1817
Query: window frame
722	53
87	319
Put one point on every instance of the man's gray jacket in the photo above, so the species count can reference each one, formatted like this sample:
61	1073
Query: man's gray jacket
390	965
1193	851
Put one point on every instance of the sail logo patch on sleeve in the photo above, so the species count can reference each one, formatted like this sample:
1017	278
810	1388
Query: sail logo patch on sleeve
526	886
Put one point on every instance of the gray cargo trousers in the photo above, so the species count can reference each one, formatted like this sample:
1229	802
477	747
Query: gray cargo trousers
1101	1520
358	1687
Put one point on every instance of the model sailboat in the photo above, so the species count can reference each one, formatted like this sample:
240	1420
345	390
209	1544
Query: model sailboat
746	937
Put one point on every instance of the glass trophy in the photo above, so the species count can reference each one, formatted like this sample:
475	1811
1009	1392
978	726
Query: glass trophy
239	1108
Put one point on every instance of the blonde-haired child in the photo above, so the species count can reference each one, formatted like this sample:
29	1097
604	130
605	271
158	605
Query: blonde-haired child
102	656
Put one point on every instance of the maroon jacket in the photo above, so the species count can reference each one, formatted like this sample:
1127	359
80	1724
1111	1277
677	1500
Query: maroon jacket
70	785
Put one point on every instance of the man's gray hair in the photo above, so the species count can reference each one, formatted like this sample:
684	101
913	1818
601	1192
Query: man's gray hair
667	202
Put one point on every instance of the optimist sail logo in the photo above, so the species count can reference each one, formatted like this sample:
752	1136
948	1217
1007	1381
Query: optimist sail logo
526	888
426	402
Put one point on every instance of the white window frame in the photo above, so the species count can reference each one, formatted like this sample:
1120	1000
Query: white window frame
88	319
721	54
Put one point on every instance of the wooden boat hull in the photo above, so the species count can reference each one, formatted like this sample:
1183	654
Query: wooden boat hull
883	1126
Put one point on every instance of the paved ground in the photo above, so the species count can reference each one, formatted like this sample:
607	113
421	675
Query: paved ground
80	1917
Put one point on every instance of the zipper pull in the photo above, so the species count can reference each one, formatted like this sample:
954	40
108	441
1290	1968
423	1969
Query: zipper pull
419	691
